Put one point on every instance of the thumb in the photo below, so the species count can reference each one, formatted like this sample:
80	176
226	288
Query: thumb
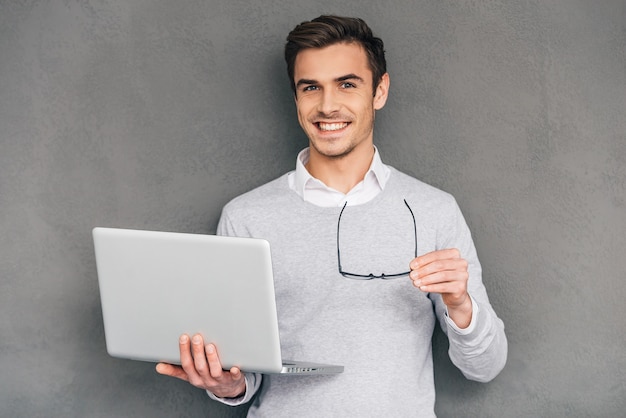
171	370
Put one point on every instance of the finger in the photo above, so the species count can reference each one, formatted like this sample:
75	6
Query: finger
199	356
235	372
440	271
453	282
172	371
442	266
186	357
215	365
425	259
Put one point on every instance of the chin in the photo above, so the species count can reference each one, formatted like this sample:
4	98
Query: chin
334	152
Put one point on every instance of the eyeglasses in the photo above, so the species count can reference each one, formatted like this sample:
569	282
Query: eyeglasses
371	276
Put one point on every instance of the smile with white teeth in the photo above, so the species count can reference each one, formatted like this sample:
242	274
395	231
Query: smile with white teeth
331	126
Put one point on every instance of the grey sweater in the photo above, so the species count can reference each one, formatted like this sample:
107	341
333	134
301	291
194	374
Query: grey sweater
380	330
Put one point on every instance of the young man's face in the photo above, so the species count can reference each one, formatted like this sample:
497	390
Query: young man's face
335	98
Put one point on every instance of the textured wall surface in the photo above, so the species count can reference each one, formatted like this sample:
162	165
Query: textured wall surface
152	114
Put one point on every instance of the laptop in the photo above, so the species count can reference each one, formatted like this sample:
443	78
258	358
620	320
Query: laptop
155	286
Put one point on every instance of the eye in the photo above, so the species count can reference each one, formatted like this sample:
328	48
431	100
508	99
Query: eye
347	85
310	88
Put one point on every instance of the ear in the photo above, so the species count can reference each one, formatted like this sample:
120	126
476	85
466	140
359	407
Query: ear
381	92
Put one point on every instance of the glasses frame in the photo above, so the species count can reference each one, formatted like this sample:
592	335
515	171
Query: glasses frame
371	276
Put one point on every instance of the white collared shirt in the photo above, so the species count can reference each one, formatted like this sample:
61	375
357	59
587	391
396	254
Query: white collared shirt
316	192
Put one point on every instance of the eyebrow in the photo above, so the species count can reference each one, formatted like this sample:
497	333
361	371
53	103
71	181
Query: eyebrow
346	77
350	77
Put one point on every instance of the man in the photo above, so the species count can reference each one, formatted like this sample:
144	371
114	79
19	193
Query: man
366	258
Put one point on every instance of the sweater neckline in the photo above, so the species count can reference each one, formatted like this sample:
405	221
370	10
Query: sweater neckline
332	209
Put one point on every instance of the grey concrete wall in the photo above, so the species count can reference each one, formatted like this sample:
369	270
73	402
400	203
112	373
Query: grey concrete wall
152	114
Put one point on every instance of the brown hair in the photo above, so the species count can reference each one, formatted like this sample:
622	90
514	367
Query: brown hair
328	30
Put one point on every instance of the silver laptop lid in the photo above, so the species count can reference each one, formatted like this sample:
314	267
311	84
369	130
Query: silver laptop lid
155	286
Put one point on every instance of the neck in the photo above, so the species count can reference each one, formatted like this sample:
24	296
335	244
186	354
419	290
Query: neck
341	173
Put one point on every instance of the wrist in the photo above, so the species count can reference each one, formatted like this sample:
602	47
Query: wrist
238	392
461	314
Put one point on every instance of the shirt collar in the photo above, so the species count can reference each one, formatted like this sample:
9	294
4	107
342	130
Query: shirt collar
376	176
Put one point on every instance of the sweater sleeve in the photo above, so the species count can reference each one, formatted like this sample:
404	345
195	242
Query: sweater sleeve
479	351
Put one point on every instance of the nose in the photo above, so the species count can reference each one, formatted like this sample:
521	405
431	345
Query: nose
329	102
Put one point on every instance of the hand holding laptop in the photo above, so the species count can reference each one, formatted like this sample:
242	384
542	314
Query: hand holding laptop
201	366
